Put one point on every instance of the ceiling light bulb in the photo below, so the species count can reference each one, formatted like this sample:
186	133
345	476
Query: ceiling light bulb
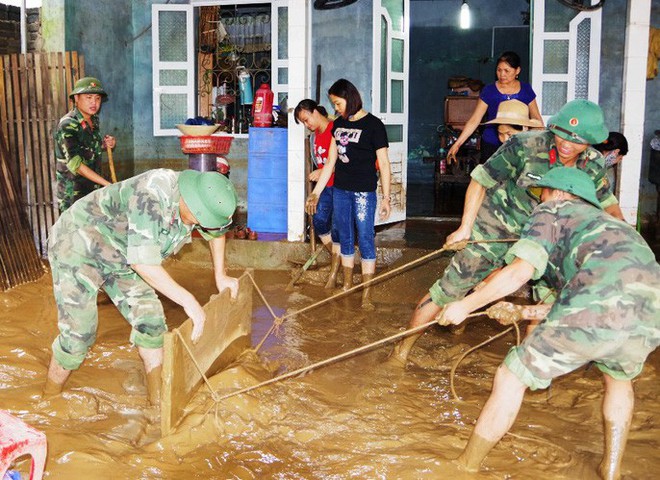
465	15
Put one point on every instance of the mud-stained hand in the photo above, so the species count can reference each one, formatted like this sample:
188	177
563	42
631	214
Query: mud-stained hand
314	175
456	246
311	203
505	313
459	237
225	281
453	314
196	313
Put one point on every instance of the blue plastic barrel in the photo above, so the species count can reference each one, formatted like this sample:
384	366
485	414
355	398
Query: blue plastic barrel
267	180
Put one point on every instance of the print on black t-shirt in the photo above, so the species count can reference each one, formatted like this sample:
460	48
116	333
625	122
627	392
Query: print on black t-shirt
357	143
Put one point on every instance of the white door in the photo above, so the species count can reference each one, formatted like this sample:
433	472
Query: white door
565	54
390	91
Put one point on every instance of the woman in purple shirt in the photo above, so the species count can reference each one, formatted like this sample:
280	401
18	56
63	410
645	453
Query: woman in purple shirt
507	87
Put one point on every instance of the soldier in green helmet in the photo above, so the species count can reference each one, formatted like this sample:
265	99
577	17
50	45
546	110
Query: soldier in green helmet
498	203
608	297
79	144
116	239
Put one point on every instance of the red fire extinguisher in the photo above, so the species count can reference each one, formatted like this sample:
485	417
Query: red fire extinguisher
262	107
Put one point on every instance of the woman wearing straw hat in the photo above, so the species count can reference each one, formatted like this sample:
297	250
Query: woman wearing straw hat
513	117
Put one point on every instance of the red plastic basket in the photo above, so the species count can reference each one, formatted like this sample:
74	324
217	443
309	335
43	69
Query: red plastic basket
205	144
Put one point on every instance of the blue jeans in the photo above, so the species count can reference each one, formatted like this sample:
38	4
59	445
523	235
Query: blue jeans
355	211
322	219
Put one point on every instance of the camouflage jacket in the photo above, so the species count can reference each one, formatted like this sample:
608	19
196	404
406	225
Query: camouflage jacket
76	143
508	176
593	260
136	221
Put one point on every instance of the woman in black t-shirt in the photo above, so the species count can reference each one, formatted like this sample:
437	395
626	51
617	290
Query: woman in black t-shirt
356	155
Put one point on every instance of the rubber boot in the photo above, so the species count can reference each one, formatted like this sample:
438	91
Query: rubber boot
348	278
366	292
474	453
154	382
334	270
615	443
51	389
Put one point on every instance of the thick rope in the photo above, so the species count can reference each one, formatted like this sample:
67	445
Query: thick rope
313	366
456	246
279	320
327	361
486	342
465	354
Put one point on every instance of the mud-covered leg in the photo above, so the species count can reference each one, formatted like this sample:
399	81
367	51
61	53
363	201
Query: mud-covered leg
425	312
334	268
618	406
153	366
57	377
368	271
495	419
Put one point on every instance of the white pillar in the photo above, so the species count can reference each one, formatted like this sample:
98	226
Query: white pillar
53	25
23	28
299	53
633	104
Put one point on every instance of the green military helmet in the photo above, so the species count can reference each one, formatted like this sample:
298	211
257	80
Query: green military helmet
88	85
210	197
579	121
571	180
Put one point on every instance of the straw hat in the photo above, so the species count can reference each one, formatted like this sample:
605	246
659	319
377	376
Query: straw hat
514	112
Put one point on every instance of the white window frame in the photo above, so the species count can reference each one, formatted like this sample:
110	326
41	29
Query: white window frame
159	66
275	62
539	36
190	89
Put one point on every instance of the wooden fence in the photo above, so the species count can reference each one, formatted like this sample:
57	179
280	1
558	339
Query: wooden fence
34	92
19	260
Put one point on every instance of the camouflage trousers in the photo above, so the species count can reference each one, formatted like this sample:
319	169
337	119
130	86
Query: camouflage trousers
76	281
555	348
468	267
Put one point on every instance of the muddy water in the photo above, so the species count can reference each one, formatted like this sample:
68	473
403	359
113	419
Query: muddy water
351	419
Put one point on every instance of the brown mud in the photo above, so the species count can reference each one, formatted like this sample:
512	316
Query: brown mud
351	419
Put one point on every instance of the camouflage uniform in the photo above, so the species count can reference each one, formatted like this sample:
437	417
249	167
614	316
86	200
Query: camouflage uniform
93	245
608	285
506	176
76	143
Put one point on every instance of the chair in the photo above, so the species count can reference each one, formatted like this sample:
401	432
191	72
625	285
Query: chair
17	438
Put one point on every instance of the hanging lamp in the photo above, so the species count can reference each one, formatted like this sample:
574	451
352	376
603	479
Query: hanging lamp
464	18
